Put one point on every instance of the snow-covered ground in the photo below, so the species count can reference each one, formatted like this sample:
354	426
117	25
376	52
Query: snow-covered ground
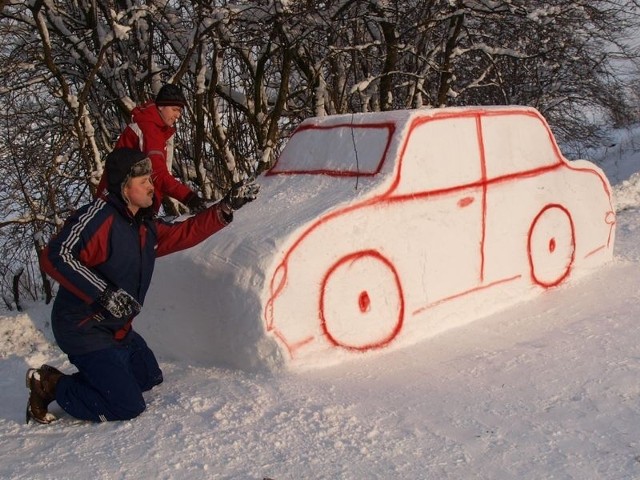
547	389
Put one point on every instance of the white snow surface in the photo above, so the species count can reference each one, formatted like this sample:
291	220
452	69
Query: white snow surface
352	250
546	389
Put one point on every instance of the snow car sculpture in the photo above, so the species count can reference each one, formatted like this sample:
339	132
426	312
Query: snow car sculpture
374	231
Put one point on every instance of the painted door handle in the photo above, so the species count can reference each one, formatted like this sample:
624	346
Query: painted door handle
465	202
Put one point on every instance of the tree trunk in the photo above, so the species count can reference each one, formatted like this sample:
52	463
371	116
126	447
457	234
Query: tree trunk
46	284
16	288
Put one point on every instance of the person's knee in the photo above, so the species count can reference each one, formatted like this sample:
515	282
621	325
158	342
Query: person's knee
125	410
157	379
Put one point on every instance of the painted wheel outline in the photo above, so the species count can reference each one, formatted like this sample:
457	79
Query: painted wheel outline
545	215
363	301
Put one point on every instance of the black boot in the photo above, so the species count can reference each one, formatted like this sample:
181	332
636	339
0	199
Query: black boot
41	383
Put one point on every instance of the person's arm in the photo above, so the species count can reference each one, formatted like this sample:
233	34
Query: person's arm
82	243
173	237
166	183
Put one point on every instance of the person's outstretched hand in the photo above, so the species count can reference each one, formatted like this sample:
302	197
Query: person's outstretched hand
240	194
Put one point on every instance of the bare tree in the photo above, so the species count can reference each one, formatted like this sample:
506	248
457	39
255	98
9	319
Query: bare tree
72	70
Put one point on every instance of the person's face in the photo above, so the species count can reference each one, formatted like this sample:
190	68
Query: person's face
170	114
139	193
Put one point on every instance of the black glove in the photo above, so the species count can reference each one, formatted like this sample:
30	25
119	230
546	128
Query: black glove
194	203
119	303
240	194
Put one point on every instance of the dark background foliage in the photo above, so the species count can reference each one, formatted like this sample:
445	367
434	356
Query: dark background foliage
72	70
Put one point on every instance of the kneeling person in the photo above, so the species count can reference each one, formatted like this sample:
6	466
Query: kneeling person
103	259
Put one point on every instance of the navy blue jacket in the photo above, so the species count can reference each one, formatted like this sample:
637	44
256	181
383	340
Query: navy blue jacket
102	245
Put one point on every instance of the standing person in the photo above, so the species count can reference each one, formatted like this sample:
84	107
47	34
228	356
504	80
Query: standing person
152	131
103	259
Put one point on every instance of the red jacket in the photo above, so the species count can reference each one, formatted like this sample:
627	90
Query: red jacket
148	133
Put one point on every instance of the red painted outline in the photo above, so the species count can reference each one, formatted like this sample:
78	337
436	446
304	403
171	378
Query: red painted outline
560	279
295	346
462	294
279	279
397	324
391	128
